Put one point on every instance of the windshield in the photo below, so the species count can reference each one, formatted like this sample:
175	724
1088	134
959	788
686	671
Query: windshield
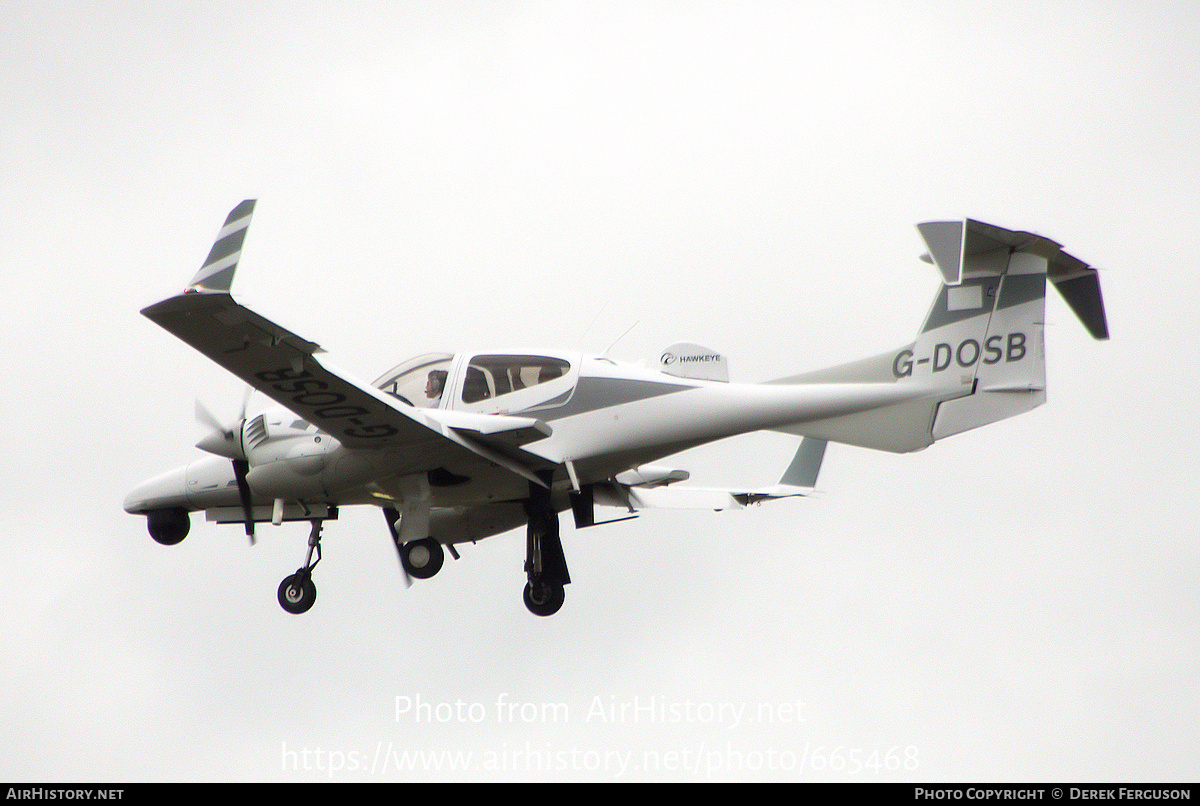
419	381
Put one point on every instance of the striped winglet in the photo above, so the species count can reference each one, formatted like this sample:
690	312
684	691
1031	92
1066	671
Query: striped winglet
216	276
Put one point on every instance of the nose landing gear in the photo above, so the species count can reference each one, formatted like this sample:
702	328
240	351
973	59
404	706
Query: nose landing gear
297	593
422	558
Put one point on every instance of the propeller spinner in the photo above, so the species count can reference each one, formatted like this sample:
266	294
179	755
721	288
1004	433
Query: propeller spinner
226	440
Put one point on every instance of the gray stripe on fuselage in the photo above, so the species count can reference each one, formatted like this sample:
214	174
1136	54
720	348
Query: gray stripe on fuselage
601	393
553	403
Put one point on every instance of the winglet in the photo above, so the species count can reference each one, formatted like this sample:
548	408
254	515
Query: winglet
216	275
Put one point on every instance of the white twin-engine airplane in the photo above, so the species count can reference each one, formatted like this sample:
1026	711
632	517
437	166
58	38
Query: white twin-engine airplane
455	448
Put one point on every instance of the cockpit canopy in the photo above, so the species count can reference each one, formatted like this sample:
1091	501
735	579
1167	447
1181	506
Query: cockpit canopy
491	376
487	382
414	381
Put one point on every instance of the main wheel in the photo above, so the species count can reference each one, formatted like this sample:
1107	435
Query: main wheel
297	593
422	558
544	598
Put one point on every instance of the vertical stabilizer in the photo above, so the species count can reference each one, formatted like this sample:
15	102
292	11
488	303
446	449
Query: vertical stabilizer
987	325
979	356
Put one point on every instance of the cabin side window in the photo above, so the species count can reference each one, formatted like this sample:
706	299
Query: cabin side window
490	376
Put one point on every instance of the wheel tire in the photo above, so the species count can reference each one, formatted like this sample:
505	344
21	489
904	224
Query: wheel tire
297	593
422	558
544	598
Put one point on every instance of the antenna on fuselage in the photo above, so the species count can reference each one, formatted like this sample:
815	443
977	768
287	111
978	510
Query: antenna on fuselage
583	336
623	335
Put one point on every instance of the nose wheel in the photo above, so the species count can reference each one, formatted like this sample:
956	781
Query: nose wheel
297	593
422	558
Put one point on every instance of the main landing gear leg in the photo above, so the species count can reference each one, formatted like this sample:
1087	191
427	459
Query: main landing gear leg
297	592
421	556
545	564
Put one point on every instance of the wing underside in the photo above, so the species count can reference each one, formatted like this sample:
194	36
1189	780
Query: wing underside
283	366
635	491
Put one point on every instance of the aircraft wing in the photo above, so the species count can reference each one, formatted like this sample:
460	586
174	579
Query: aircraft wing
638	490
283	366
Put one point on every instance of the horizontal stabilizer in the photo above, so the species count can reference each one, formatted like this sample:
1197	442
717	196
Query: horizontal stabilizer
954	244
1081	291
961	248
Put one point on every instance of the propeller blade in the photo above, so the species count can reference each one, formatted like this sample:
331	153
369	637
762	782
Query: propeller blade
246	402
240	468
224	440
206	417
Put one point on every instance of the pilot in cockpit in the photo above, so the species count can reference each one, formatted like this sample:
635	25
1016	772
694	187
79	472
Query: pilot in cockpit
434	385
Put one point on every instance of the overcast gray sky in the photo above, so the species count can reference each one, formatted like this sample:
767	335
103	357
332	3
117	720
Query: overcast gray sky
1016	603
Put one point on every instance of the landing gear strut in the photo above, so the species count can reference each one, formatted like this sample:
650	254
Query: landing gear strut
297	592
545	564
